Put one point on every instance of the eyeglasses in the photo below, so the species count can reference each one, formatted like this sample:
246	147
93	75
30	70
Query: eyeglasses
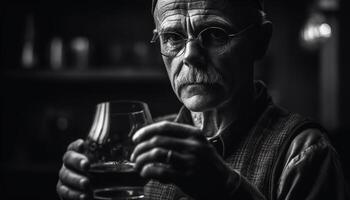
213	39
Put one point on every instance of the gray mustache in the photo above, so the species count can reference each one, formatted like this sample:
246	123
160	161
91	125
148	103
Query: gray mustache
196	76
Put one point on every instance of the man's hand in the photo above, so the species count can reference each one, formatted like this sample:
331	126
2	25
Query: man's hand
73	183
194	165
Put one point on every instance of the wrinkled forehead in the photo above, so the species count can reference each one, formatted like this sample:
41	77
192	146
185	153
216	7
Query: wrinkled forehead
166	8
228	9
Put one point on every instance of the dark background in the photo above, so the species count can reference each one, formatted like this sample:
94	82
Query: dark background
44	108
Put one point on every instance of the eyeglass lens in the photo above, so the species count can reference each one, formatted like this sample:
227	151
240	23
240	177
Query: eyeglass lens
212	38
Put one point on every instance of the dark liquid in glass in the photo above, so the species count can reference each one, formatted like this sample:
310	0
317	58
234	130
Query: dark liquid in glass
121	193
113	174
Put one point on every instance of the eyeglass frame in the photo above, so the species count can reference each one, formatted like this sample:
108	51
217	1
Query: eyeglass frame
156	36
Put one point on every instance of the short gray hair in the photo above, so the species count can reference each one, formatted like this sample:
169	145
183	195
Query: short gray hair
258	4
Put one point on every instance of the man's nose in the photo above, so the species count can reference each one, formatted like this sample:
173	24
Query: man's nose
194	54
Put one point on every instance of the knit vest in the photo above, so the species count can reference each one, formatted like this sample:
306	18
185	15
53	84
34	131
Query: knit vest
258	156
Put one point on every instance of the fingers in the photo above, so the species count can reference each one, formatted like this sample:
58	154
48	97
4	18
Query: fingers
160	155
71	184
68	193
77	145
76	161
166	129
160	172
73	180
181	145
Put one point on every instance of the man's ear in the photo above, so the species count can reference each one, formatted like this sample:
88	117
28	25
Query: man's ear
263	39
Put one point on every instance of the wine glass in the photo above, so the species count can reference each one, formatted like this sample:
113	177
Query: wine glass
109	146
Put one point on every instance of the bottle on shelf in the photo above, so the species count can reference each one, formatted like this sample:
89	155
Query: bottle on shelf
29	57
56	53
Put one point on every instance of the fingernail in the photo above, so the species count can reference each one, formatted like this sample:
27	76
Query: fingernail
143	172
83	183
136	135
82	197
83	164
132	157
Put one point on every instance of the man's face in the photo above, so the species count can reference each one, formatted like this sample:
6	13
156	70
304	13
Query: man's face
201	79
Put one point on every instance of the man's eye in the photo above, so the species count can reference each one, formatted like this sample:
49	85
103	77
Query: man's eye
171	38
217	33
214	36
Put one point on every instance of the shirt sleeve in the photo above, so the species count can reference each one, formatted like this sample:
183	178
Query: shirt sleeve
312	170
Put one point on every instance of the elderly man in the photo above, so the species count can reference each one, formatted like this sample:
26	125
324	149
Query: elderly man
229	141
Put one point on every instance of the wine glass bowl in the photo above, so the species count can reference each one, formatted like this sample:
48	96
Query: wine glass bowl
109	146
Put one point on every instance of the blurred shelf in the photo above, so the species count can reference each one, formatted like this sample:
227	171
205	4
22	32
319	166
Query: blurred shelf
30	167
93	75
